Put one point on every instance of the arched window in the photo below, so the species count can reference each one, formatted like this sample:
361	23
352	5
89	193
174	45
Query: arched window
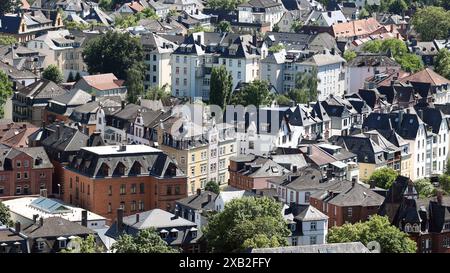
119	170
408	228
416	228
136	168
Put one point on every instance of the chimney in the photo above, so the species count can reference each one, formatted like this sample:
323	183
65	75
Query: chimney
372	184
41	221
58	131
420	114
119	223
122	104
400	118
254	40
198	39
209	197
196	11
353	183
137	217
439	197
309	150
122	147
199	191
84	214
35	217
329	14
17	227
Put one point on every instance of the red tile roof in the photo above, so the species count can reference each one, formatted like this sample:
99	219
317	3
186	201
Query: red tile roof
356	28
426	76
103	81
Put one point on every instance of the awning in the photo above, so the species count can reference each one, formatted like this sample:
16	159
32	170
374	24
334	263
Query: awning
339	164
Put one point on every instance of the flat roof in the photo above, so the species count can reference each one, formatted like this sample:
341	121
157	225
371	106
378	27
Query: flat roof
114	150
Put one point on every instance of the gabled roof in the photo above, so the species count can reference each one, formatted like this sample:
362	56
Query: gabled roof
55	227
355	28
156	218
199	202
357	195
426	76
42	89
103	81
73	97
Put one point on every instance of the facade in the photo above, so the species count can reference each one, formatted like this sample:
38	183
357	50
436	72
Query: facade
260	11
102	85
24	171
131	177
195	208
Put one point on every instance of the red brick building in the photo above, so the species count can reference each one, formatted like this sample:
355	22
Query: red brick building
252	172
132	177
348	203
24	171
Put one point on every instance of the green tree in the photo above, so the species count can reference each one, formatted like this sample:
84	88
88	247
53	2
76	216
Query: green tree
247	222
53	73
276	28
8	6
424	188
363	13
70	78
349	55
113	52
5	216
212	186
221	86
87	245
157	93
227	5
255	93
410	62
7	40
373	46
296	26
432	23
397	6
135	83
72	25
224	26
149	13
396	46
444	182
146	241
276	48
105	4
384	177
6	90
306	84
442	63
377	229
283	100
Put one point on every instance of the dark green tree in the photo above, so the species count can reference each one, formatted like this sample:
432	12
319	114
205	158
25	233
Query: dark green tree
212	186
157	93
397	6
224	26
283	100
296	26
77	76
6	91
70	78
377	229
135	83
306	84
432	23
424	188
256	93
221	85
113	52
8	6
86	245
276	28
53	73
227	5
442	63
146	241
7	40
247	222
384	177
349	55
410	62
5	216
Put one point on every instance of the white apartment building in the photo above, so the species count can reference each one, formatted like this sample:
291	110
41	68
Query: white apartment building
260	11
192	62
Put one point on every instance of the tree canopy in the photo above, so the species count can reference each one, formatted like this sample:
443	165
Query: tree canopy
53	73
8	6
306	84
349	55
5	216
7	40
212	186
376	229
135	83
384	177
432	23
255	93
6	90
157	93
114	53
224	26
87	245
247	222
227	5
424	188
221	85
442	63
146	241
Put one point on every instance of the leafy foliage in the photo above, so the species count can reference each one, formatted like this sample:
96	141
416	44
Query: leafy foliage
410	62
378	229
157	93
384	177
224	26
212	186
5	216
146	241
432	23
5	91
255	93
247	222
227	5
276	48
8	6
349	55
113	53
87	245
442	63
296	26
444	182
283	100
221	85
363	13
424	187
135	83
53	73
276	28
131	20
7	40
306	84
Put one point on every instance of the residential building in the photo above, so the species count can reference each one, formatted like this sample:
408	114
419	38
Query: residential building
350	202
30	102
27	210
157	52
24	171
15	134
102	85
12	240
177	232
356	29
225	196
260	11
326	18
60	108
131	177
22	58
195	208
193	61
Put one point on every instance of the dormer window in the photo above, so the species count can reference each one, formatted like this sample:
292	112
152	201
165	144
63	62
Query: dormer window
447	225
174	233
193	231
293	227
163	233
408	228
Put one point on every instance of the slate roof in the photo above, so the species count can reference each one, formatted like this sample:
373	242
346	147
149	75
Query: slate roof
372	59
260	4
306	178
70	139
73	97
42	89
262	167
364	147
357	195
199	202
55	227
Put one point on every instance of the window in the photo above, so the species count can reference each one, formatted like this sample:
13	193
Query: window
141	205
89	189
154	57
62	243
18	176
239	75
25	175
193	171
313	225
2	190
109	190
154	68
26	164
294	241
25	189
133	205
169	190
193	157
18	190
122	205
133	188
122	189
312	240
350	212
447	225
307	195
293	227
18	164
446	242
182	160
41	245
109	208
141	188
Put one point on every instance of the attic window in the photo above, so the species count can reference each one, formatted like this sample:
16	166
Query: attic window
378	118
411	121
